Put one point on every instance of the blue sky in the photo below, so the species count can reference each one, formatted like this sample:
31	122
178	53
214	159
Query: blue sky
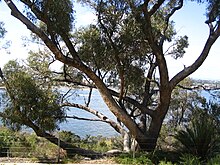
188	21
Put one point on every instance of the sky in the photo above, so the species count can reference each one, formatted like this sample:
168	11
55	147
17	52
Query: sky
188	21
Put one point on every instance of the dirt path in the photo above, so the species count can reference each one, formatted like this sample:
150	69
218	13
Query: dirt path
7	160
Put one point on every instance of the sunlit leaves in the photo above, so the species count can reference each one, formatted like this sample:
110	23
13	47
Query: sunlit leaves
178	48
39	66
29	101
56	14
92	49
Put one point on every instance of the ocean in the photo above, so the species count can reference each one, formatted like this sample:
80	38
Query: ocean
92	128
83	128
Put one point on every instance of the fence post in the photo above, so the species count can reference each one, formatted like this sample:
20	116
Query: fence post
58	152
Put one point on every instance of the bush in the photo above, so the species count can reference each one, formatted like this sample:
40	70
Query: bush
165	163
14	144
189	159
6	138
69	137
200	136
214	161
138	159
100	144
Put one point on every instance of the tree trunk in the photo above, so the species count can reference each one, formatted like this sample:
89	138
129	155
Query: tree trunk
149	142
70	148
126	142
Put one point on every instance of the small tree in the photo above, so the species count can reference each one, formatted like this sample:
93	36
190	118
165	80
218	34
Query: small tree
28	100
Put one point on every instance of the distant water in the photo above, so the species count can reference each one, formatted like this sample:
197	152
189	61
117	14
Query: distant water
93	128
82	127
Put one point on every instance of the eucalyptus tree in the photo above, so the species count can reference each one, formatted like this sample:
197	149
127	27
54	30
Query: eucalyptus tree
124	49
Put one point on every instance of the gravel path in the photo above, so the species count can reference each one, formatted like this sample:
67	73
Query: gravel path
16	160
21	161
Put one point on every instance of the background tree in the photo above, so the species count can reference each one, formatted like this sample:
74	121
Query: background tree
131	35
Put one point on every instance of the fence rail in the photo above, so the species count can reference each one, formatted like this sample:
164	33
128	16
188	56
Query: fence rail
32	148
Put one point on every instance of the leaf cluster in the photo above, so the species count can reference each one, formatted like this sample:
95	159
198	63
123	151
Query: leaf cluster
57	15
30	102
2	30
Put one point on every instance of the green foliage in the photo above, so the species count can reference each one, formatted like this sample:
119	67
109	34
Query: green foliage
118	44
188	159
214	161
14	144
124	47
183	103
200	137
213	10
69	137
26	145
29	101
40	148
165	156
2	30
39	66
165	163
56	14
6	136
131	159
93	51
101	144
178	50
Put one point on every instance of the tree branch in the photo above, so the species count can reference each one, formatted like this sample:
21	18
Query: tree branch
168	18
192	68
107	97
199	87
101	117
81	118
141	107
156	7
58	54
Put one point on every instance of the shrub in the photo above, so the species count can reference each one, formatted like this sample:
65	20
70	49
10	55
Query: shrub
199	137
6	137
139	159
214	161
165	163
189	159
69	137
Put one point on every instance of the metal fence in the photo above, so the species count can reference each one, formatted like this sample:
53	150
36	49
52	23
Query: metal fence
35	148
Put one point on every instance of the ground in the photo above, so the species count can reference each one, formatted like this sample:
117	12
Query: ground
28	160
